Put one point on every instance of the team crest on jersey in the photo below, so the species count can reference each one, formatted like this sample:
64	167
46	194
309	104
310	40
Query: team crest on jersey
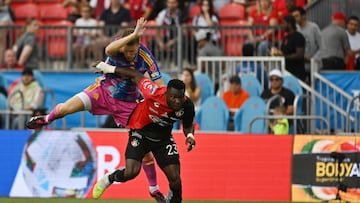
153	67
134	142
179	113
148	85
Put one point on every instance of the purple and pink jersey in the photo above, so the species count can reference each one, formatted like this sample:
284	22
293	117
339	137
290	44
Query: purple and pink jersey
123	88
116	95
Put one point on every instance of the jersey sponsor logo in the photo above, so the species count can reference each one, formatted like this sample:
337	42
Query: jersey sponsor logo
158	120
179	113
134	142
153	110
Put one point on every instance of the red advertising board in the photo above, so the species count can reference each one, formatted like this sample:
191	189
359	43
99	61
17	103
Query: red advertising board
221	167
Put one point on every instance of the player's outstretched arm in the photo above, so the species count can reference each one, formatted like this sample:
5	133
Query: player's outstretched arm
128	72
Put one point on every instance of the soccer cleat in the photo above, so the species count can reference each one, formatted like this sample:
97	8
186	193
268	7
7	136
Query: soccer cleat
169	197
101	186
158	196
36	122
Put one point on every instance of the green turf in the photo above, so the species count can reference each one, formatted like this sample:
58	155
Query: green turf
61	200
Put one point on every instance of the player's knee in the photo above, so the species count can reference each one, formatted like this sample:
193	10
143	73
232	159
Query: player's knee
175	182
131	173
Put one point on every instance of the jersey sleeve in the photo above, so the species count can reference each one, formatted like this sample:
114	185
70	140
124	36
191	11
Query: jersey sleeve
189	114
150	63
148	88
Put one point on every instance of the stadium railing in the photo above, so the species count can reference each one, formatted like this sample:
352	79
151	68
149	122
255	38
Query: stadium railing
320	11
330	101
57	42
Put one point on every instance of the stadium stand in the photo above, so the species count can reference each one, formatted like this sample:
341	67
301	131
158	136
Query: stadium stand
24	11
206	86
52	13
213	115
292	83
251	85
254	106
231	12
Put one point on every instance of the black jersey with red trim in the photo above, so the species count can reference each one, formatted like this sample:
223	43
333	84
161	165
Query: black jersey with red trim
153	117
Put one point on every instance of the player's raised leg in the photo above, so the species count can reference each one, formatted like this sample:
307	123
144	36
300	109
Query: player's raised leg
74	104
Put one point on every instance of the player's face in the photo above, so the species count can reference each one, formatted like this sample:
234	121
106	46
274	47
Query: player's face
130	52
175	98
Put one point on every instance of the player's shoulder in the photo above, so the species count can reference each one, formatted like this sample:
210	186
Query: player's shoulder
188	103
148	85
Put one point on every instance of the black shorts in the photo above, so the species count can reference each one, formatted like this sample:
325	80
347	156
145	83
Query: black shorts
165	151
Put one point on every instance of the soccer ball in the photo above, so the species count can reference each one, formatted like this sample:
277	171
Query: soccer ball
59	164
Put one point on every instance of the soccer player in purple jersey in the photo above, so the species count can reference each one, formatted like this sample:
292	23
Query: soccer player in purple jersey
113	94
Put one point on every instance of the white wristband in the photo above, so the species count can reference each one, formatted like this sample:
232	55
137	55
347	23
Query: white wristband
190	135
106	68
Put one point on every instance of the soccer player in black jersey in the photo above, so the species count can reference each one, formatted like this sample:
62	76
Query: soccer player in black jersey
150	126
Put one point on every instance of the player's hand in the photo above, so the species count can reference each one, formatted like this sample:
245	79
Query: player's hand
140	26
104	67
190	142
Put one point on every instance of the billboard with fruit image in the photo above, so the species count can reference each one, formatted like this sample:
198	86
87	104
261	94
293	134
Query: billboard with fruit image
326	168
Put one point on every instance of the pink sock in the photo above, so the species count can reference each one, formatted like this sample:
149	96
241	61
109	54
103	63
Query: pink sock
150	171
53	114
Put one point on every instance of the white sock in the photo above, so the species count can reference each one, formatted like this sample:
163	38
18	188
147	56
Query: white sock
47	118
153	188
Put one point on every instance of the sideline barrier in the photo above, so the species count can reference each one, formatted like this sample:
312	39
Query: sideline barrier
221	167
233	167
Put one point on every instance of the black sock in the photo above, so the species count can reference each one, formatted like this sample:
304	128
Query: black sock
117	176
176	196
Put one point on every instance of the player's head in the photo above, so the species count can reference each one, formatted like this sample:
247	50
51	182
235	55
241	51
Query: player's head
131	48
175	94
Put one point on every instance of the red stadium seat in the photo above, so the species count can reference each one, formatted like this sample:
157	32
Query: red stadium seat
50	13
150	32
25	11
57	39
234	38
232	11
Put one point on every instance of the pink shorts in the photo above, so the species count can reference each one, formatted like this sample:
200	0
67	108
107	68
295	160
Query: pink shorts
98	102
